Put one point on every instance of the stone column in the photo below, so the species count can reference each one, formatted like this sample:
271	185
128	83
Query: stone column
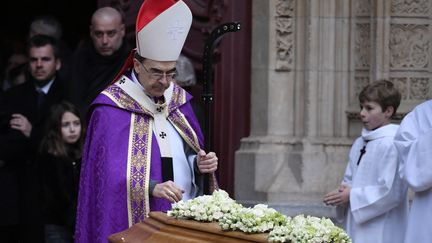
300	70
310	59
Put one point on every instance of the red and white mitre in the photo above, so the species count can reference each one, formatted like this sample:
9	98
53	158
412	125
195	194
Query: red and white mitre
161	29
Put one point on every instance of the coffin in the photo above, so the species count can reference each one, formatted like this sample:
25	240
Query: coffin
159	227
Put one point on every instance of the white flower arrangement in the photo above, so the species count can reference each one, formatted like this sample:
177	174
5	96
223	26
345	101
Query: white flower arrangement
309	229
233	216
206	208
258	219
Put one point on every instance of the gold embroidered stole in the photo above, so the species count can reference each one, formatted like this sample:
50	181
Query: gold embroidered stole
128	95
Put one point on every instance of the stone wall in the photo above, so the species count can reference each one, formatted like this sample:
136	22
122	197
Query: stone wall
310	59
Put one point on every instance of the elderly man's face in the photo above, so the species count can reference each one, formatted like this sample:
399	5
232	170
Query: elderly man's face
107	35
155	76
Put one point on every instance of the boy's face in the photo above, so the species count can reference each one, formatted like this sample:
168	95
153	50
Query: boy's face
372	115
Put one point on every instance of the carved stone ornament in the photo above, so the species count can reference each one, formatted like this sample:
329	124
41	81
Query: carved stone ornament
362	7
409	46
284	44
284	35
413	88
410	7
419	89
285	8
362	46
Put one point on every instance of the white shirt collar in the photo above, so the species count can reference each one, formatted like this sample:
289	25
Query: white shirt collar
45	89
388	130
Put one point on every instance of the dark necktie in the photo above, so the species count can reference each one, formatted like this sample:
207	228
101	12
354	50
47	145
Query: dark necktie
40	98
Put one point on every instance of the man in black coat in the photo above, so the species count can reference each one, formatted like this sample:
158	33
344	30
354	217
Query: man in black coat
23	110
95	63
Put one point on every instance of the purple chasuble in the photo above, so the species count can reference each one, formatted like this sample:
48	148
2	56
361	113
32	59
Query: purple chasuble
118	147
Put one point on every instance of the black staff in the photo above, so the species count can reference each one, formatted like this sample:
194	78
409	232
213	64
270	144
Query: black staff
207	95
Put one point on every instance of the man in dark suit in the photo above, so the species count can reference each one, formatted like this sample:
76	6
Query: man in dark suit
95	63
23	110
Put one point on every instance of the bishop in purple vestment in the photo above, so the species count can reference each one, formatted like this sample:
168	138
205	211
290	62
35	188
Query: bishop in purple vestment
143	149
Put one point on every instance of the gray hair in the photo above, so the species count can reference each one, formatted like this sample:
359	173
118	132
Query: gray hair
46	25
185	72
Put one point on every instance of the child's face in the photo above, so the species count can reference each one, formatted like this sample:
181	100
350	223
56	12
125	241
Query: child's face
372	115
70	127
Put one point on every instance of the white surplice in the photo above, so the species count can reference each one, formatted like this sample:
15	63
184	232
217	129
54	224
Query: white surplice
414	144
378	206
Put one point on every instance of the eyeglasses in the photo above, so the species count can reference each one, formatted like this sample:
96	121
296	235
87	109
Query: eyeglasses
159	76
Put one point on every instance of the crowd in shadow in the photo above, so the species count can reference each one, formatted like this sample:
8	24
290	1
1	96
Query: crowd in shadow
46	89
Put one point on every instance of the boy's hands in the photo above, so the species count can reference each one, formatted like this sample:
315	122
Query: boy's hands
338	197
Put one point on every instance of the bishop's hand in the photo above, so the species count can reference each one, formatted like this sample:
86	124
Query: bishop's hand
168	190
207	163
